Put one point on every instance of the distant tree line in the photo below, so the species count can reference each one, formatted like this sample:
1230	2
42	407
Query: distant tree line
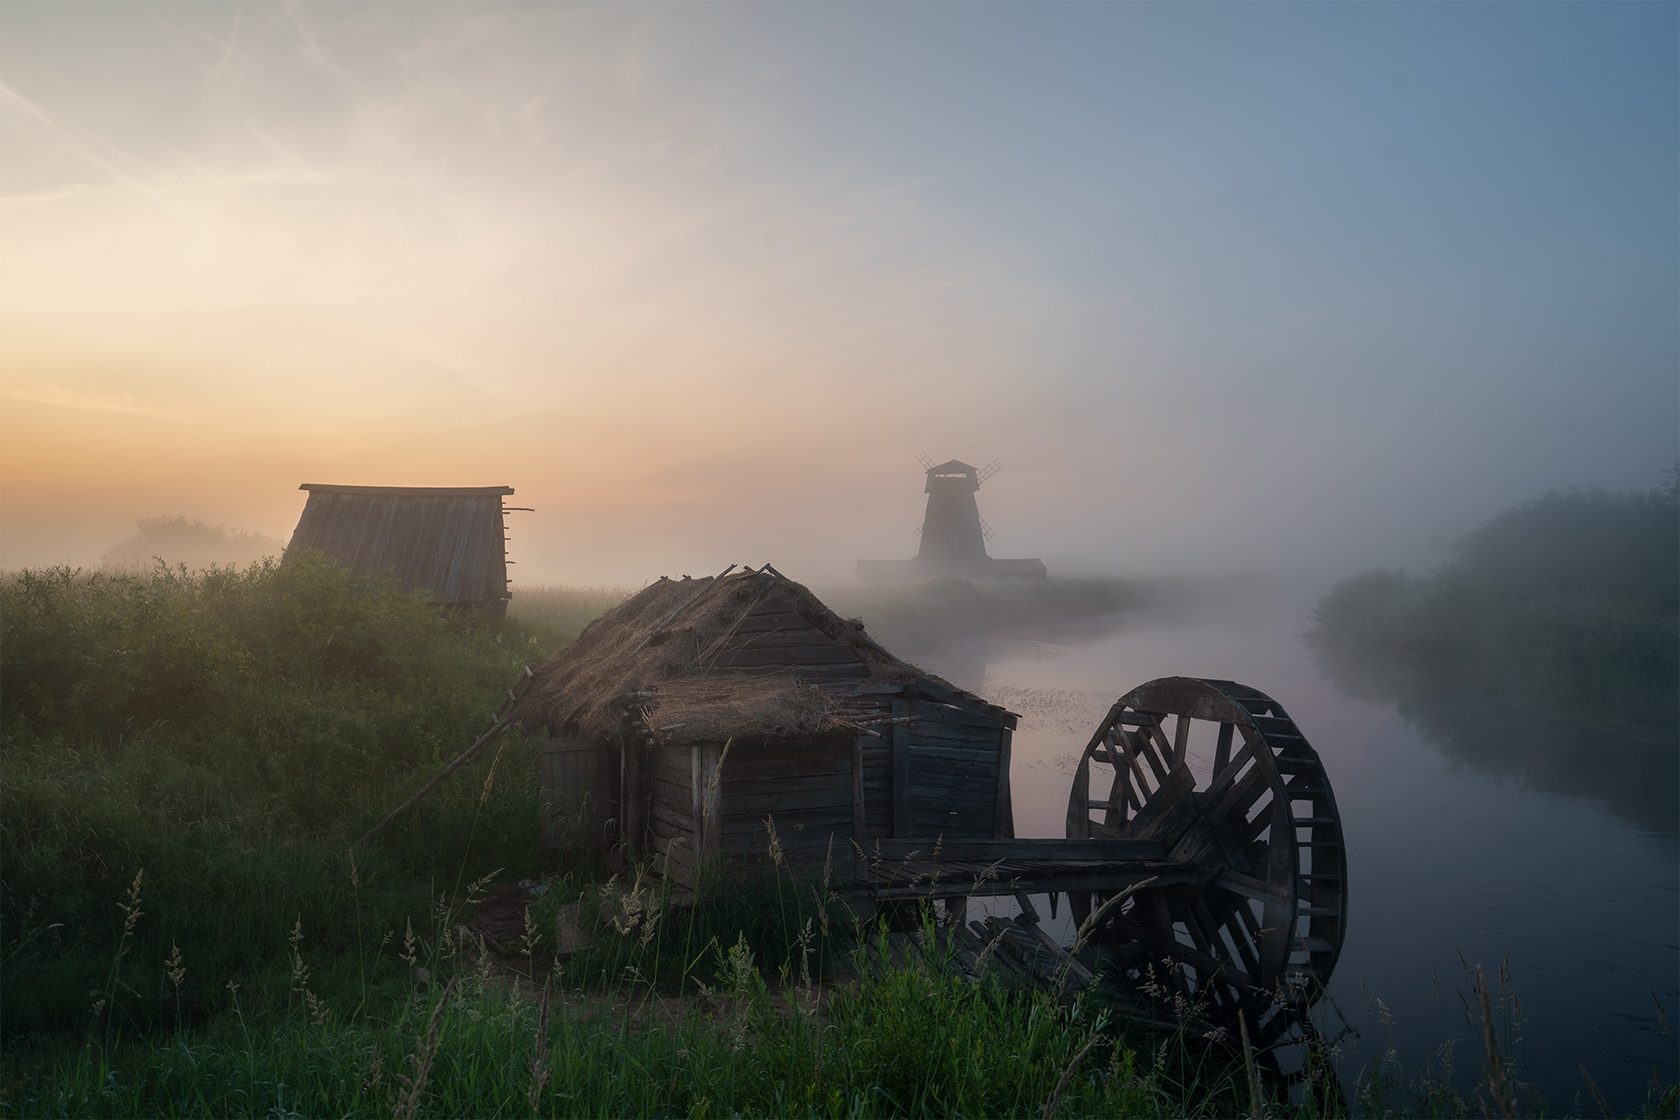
180	540
1569	603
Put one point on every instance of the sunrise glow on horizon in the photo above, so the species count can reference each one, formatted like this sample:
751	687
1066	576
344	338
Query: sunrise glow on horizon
702	281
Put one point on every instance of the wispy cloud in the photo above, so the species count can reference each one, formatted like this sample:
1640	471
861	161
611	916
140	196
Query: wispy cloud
91	148
57	396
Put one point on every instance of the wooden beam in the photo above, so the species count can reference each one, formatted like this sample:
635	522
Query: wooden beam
1044	849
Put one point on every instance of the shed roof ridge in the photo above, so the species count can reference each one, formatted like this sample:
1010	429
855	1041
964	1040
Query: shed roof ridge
416	491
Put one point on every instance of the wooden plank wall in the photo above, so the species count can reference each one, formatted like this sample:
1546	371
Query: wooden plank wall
954	775
671	821
805	787
579	793
451	543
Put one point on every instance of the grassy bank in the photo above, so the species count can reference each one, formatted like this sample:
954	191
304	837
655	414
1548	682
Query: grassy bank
183	929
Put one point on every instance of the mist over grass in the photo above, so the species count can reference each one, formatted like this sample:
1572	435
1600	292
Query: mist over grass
187	542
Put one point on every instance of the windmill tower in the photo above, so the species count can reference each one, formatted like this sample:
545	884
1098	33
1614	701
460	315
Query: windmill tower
953	535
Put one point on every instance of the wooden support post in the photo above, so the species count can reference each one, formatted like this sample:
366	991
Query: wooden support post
860	816
1003	826
901	768
630	793
696	808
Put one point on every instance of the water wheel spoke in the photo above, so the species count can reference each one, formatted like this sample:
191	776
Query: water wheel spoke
1181	739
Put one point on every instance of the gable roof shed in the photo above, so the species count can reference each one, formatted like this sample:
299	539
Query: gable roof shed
733	715
448	540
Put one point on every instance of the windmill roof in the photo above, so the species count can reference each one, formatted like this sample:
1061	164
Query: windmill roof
952	466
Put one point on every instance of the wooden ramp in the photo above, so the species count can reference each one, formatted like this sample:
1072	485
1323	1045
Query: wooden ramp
897	869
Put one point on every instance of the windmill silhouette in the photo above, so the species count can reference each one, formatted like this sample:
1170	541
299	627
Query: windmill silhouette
953	534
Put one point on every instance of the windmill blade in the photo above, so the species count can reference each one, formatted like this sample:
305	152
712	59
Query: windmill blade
927	464
989	470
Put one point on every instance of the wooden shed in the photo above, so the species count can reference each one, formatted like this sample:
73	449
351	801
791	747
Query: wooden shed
449	540
704	719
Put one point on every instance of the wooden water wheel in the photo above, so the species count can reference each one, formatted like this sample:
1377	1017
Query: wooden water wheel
1219	773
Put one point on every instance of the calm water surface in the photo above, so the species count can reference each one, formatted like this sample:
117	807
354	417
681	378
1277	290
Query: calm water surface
1451	860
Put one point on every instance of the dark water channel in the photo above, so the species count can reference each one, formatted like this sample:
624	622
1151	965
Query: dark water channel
1560	860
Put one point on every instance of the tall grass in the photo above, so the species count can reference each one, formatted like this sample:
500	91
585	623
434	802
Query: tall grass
905	1040
228	733
554	616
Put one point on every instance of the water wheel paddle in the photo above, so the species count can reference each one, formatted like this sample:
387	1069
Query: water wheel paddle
1219	773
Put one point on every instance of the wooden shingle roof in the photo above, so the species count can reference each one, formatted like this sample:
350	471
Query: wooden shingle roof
448	540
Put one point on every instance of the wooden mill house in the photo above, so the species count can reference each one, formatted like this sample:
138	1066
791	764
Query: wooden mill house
701	714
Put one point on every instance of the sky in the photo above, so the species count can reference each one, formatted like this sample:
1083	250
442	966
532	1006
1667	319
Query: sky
1223	287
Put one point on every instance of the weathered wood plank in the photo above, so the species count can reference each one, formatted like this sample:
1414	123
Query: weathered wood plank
790	803
860	815
751	788
901	769
750	766
953	774
674	822
632	796
953	751
1003	815
837	816
1046	849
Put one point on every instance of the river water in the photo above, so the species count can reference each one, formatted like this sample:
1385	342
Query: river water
1457	856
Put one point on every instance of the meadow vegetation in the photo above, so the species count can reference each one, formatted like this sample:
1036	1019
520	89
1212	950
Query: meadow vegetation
186	929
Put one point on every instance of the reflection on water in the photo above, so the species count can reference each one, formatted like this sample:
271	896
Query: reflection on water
1473	836
1636	778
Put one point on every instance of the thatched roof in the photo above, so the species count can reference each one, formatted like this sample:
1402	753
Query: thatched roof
448	540
752	655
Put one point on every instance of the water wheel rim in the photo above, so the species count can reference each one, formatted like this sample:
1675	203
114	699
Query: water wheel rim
1264	942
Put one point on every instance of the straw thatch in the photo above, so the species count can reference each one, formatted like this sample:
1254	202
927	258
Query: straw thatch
749	655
